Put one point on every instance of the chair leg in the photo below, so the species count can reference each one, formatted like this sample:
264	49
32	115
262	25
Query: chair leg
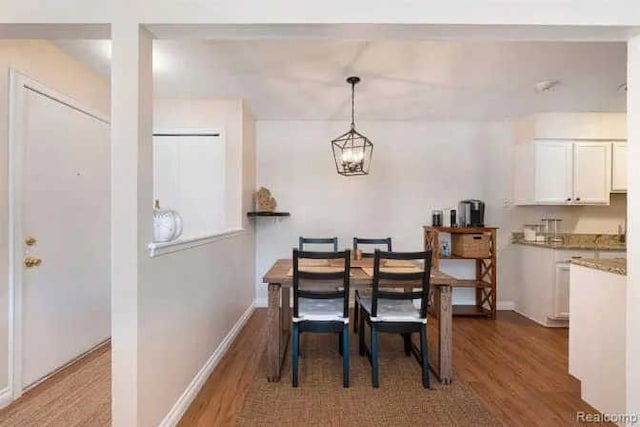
295	348
374	355
356	309
407	344
361	335
345	356
424	353
340	343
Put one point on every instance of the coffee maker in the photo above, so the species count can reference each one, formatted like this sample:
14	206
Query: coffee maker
471	213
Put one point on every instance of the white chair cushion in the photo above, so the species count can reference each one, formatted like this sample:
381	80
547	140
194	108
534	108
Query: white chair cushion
392	310
320	310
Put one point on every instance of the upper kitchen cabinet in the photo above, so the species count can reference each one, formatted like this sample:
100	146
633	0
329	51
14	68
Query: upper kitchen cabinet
591	173
560	172
553	172
619	167
566	159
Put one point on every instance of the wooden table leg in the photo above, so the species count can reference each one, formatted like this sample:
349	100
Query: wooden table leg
273	345
285	310
445	336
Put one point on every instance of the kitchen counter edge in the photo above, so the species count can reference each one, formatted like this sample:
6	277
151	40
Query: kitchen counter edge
609	265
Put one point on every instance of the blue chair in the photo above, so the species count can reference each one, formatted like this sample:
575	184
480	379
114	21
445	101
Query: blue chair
320	310
359	241
394	312
318	241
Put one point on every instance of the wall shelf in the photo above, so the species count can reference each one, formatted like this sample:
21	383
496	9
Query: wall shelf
267	214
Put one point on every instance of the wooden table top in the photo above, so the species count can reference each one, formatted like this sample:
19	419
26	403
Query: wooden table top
278	273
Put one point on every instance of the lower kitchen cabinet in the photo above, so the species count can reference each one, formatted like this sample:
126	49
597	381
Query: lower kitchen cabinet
560	292
543	282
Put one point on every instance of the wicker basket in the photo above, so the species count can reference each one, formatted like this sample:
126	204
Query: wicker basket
471	245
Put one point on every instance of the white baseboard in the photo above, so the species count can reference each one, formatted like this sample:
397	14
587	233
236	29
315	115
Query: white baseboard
261	303
505	306
192	390
6	397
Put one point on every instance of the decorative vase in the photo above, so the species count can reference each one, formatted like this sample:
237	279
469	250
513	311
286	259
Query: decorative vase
167	224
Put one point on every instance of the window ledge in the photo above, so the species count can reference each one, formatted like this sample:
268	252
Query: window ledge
162	248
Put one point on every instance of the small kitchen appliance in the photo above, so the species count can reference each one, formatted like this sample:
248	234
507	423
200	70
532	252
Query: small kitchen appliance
471	213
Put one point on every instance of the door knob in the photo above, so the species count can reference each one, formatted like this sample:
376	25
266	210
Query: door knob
32	261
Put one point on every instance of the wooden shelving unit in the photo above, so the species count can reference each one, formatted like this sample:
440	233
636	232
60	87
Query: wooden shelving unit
485	281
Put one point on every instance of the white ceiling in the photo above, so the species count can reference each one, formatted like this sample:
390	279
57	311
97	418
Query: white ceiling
401	80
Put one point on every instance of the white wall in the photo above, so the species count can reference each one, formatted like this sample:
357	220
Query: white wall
416	167
633	254
45	63
190	300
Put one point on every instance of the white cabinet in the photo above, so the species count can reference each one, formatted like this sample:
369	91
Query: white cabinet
543	282
560	296
591	172
619	167
563	172
553	165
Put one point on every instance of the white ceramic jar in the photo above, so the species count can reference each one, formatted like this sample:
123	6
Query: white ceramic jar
167	224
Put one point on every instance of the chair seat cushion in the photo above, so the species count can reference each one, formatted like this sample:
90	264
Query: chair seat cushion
321	310
392	310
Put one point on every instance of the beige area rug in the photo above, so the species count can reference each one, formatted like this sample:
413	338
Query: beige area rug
80	395
320	399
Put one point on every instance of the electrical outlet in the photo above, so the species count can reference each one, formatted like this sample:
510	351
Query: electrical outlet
506	203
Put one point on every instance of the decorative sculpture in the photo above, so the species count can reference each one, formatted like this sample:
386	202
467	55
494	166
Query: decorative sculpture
264	201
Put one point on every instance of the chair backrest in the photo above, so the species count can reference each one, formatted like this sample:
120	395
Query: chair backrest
318	241
419	279
338	275
361	241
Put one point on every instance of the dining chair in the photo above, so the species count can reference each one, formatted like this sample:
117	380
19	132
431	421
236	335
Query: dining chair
386	241
395	312
321	310
318	241
362	241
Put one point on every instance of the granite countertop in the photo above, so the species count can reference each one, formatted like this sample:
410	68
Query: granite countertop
610	265
606	242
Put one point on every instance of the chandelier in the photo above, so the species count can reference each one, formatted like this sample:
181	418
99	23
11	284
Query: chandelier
352	151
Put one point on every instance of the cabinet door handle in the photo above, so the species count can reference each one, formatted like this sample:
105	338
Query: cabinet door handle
568	199
578	199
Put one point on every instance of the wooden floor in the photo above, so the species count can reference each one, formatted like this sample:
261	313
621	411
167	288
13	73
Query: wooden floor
518	369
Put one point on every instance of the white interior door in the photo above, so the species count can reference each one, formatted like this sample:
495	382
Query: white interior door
65	192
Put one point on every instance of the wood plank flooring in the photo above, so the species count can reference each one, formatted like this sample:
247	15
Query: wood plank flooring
518	368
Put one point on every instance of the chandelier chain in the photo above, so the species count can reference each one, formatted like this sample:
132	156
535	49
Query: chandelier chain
353	121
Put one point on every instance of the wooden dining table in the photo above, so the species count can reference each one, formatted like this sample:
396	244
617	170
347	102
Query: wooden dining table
280	281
